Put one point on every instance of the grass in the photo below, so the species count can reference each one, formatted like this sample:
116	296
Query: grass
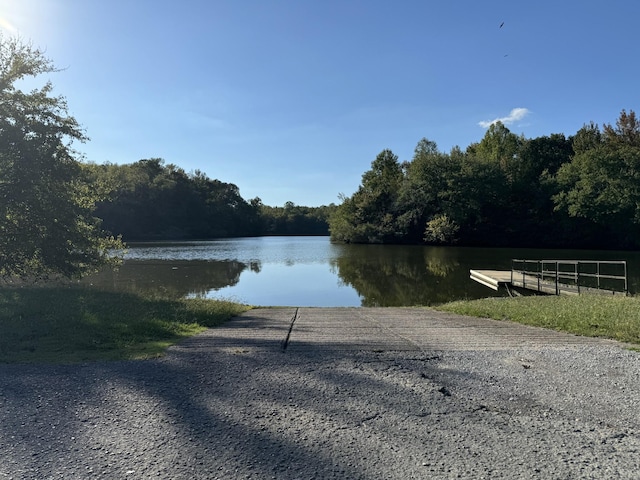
612	317
71	325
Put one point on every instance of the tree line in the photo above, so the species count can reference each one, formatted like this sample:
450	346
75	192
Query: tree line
151	200
62	216
581	191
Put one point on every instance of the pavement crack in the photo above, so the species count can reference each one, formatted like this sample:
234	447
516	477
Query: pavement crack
285	342
370	417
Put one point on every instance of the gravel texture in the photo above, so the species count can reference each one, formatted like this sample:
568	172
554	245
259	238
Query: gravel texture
334	393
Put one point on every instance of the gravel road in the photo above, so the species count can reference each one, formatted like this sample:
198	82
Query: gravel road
345	393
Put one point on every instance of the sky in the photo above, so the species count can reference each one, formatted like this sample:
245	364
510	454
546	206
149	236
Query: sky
291	100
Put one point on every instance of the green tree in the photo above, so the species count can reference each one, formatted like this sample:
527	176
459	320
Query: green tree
429	190
47	225
478	199
441	229
151	200
516	203
587	138
542	154
602	182
626	133
538	223
293	219
500	146
370	215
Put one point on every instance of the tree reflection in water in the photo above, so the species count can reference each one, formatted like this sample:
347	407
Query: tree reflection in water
311	271
172	277
385	276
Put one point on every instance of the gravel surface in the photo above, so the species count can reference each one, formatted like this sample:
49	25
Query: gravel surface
334	393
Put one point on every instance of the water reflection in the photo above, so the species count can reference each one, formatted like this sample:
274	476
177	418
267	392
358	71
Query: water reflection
175	277
310	271
401	276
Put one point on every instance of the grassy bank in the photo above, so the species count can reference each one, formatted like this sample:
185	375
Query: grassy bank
589	315
68	325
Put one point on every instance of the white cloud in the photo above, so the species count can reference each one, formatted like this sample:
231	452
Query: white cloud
515	115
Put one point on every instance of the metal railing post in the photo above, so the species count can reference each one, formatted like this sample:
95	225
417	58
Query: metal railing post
578	276
512	266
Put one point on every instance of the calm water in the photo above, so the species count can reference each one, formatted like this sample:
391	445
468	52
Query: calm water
311	271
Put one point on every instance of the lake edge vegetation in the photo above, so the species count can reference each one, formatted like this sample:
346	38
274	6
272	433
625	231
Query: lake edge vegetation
504	191
150	200
67	325
70	324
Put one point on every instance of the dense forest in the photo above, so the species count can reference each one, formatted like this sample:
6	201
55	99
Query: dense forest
581	191
148	200
552	191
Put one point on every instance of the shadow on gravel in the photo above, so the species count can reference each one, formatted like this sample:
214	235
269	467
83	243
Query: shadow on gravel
247	409
237	412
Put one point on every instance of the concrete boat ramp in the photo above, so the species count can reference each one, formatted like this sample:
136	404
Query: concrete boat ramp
378	329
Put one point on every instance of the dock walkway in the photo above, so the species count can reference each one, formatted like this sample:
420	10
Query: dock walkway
558	277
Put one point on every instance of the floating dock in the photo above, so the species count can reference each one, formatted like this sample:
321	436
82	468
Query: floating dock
494	279
557	277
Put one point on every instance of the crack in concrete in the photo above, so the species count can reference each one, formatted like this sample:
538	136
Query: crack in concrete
285	342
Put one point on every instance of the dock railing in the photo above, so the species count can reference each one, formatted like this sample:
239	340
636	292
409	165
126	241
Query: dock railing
570	276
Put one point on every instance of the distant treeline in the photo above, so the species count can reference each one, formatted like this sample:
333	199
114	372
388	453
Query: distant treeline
148	200
579	192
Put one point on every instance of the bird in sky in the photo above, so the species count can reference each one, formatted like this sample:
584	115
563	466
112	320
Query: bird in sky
501	25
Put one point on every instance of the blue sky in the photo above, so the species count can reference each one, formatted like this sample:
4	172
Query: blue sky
291	100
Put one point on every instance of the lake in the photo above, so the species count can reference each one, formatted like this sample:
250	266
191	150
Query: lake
313	272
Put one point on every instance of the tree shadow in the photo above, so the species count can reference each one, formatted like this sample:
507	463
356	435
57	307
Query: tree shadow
243	409
232	405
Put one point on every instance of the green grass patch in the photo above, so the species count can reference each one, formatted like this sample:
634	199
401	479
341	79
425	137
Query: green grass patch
612	317
70	325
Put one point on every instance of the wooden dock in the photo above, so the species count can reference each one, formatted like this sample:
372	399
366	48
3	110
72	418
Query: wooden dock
557	277
491	278
501	279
